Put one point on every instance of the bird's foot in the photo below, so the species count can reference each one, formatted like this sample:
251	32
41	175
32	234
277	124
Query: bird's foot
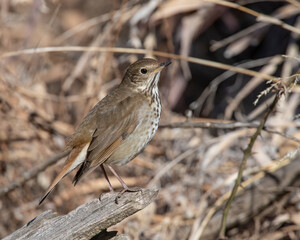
134	189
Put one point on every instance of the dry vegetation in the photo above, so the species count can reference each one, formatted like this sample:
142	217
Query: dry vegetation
44	94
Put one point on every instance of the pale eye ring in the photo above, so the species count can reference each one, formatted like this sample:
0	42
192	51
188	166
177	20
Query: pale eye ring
144	70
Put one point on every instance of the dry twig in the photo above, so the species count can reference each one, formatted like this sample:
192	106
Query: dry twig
137	51
247	154
260	173
281	90
209	93
259	16
224	125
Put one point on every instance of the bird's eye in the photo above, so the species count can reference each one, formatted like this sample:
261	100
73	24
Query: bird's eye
144	70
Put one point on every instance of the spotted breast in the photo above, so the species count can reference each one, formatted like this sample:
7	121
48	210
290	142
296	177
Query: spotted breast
149	115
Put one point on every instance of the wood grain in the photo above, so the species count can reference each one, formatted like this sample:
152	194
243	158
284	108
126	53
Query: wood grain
87	220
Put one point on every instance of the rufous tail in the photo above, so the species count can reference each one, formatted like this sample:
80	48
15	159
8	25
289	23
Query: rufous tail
63	173
76	157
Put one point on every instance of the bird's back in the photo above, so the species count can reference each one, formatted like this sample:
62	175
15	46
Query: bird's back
99	116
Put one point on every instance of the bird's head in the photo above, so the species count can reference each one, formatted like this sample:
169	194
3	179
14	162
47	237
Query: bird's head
144	74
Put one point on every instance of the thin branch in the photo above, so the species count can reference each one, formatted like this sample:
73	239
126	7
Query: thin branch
32	173
260	173
259	16
137	51
258	110
207	125
251	85
84	26
245	32
294	2
209	92
224	125
280	14
170	165
281	134
247	154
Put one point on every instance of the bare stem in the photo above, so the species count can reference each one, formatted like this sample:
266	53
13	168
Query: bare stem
247	154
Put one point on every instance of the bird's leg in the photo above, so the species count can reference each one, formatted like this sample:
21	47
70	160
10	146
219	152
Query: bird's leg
126	188
118	177
106	178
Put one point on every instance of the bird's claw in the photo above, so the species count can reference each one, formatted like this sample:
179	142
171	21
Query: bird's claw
134	189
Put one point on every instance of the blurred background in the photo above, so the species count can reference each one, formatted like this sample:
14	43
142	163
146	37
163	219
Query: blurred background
44	96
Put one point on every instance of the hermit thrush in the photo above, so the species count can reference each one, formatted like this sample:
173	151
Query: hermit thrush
118	127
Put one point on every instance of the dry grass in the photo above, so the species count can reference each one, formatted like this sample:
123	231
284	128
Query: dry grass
58	58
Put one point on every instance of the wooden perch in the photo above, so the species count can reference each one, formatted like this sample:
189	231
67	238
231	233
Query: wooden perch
88	220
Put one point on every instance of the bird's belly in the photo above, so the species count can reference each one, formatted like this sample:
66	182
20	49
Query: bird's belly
136	141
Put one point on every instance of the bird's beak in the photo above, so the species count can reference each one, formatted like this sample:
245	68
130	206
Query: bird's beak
162	66
165	64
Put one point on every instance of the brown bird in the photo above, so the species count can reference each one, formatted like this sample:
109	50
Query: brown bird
118	127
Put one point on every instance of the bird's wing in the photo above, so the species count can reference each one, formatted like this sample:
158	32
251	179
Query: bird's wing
112	129
99	134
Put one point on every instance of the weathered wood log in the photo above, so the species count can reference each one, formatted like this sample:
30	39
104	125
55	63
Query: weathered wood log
88	220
